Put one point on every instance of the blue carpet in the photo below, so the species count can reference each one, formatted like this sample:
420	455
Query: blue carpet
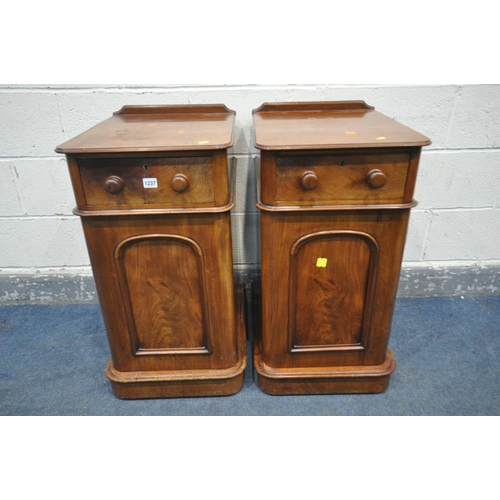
447	351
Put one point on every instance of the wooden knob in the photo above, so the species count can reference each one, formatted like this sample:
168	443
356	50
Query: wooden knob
114	184
309	180
376	178
180	183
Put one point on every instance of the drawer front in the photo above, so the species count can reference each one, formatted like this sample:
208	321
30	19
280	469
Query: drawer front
341	179
131	183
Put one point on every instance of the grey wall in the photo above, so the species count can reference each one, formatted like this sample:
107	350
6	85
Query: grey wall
453	244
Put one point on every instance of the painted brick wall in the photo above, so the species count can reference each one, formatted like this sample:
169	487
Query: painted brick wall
457	221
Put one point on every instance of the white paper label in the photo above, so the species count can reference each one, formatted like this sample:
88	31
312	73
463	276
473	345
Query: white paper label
150	182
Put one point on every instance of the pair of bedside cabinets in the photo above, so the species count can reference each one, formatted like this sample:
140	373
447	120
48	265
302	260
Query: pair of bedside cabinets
154	188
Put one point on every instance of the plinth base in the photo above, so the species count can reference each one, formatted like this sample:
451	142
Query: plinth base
186	383
334	380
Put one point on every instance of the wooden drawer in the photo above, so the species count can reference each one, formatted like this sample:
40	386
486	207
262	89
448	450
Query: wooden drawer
134	183
329	179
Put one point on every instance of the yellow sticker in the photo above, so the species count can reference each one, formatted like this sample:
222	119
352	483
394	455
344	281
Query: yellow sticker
381	138
350	132
321	262
203	142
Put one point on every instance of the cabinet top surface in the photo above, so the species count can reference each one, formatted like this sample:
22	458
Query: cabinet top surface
157	128
329	125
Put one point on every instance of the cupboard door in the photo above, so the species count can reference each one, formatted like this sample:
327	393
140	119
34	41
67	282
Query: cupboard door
329	282
332	274
163	289
168	290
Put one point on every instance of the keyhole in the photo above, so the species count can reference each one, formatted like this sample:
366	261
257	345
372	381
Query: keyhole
145	168
342	163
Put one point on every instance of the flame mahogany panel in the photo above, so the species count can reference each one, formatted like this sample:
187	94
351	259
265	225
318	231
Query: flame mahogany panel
164	293
332	276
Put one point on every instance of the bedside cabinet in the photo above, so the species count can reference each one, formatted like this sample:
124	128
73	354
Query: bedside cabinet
334	187
154	193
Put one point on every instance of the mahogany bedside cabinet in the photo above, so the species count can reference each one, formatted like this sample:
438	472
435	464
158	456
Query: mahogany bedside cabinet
154	192
334	188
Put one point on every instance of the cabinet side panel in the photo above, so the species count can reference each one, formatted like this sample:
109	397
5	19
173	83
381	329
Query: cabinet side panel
220	178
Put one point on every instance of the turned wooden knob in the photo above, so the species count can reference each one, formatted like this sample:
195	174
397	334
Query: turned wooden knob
180	183
309	180
114	184
376	178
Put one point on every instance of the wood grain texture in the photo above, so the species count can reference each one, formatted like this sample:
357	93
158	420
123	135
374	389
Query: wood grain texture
196	170
334	187
187	383
212	233
157	128
163	289
356	379
161	255
332	274
310	126
280	232
221	195
341	179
